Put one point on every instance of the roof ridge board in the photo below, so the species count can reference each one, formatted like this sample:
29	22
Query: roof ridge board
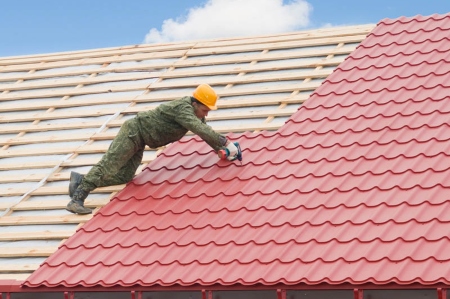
274	46
335	31
303	34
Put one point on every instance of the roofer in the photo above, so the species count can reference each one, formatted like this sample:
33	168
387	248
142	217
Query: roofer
167	123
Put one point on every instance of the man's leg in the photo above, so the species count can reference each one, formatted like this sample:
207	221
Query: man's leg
117	166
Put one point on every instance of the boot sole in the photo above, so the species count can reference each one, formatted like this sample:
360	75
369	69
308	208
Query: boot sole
78	213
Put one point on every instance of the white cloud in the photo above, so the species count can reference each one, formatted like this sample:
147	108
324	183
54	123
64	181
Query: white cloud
232	18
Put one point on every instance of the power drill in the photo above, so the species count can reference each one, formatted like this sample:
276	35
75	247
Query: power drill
225	153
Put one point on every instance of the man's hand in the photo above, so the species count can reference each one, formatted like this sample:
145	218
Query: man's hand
233	151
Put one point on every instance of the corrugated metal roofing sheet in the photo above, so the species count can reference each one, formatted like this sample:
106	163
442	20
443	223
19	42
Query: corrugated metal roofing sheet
354	188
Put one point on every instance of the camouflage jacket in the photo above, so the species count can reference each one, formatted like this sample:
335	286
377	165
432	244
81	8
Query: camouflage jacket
171	121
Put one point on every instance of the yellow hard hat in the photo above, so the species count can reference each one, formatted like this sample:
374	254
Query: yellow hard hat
206	95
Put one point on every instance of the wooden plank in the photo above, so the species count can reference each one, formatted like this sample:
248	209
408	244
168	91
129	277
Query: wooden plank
153	68
70	163
192	62
60	204
51	127
50	93
31	220
275	45
76	81
36	235
60	115
85	149
227	69
48	139
40	105
29	165
18	268
222	93
246	79
93	61
59	190
300	35
14	276
10	252
94	53
54	204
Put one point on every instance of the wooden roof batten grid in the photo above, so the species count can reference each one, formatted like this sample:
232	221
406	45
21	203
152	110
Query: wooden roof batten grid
235	93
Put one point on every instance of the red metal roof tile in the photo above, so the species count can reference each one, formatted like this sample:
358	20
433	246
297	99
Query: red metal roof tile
353	189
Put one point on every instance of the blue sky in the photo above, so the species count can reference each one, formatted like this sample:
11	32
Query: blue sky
46	26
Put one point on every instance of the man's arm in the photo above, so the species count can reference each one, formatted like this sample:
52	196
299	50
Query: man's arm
188	120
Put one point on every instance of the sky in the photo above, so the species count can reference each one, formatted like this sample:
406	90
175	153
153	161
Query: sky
30	27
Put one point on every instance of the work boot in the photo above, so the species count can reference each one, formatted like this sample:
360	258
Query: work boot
76	205
75	181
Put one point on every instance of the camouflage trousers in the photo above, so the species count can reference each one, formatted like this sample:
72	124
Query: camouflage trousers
121	160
